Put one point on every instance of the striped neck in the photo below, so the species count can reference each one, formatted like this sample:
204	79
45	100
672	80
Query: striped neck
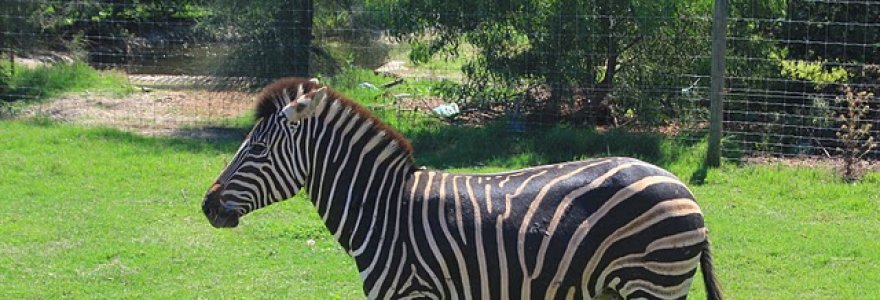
358	171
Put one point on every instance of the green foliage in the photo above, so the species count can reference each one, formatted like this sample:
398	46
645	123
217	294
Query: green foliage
59	22
793	40
47	81
595	48
797	47
816	24
813	71
753	37
349	37
16	17
58	15
5	78
268	37
273	38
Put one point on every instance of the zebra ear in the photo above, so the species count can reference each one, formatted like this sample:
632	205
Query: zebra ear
289	112
304	106
319	96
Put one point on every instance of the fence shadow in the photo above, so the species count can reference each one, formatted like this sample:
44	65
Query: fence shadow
196	140
450	147
221	134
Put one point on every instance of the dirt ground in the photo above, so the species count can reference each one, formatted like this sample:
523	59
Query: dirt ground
149	112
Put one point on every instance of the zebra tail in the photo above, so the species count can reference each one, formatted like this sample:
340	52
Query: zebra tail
713	288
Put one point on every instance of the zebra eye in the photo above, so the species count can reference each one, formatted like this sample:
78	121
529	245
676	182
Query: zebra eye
293	125
301	106
257	149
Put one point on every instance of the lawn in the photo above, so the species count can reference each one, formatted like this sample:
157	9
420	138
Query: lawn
97	213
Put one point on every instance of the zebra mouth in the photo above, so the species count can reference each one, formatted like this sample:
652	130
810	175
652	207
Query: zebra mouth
222	220
217	214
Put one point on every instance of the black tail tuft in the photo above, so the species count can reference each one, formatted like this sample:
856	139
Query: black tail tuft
713	289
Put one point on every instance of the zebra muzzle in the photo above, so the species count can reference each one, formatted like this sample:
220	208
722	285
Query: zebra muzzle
217	213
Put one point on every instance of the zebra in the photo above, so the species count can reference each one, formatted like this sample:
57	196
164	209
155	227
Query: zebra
613	226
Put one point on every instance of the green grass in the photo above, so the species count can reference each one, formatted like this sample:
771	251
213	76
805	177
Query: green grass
793	233
99	213
48	81
96	213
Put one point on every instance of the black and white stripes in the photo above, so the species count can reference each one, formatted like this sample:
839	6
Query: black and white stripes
566	231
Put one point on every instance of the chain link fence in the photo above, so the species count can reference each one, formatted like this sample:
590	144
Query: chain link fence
799	81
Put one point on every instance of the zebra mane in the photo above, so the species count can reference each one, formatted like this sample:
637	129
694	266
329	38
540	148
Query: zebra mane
272	98
276	95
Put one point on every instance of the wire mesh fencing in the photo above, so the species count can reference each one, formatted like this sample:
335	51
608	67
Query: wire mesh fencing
800	76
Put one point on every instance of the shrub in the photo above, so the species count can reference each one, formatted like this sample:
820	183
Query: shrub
855	132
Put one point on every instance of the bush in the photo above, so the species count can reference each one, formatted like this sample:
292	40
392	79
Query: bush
4	80
49	81
855	132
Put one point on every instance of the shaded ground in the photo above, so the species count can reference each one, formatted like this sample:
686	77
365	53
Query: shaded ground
157	112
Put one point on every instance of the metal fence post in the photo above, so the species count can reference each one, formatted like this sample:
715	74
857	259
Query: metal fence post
719	44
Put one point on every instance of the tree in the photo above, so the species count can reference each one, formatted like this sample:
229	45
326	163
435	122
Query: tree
575	49
270	38
97	26
839	31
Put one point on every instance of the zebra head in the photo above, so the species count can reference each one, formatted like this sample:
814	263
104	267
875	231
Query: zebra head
269	165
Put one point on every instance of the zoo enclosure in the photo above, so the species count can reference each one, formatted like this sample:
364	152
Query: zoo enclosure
798	75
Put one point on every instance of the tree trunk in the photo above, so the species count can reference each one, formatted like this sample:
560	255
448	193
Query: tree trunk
607	25
607	85
553	110
301	36
597	107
